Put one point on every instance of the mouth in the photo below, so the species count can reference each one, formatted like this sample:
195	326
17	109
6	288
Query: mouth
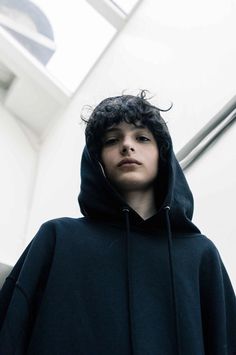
128	161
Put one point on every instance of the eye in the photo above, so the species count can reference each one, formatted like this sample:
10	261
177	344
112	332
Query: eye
110	141
143	139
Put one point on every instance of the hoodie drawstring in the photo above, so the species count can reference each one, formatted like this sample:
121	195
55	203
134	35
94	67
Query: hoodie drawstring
125	210
173	284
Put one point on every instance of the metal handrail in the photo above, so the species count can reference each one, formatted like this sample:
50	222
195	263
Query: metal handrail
208	134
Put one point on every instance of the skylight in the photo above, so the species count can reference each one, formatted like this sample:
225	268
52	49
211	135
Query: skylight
66	37
81	34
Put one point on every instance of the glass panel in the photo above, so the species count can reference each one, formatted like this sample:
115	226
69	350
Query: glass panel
81	34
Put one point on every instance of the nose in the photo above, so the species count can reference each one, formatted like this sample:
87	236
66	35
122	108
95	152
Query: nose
127	147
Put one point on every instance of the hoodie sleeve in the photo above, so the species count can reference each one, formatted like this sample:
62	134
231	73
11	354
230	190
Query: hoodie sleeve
218	305
21	293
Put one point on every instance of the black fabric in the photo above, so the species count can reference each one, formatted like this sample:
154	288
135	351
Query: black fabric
111	283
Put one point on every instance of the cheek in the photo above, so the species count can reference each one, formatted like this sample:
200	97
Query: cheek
104	157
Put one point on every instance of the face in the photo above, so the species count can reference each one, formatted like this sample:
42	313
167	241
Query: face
130	157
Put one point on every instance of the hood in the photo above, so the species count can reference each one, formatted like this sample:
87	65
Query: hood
98	198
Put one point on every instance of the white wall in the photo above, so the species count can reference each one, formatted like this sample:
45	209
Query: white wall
18	163
58	182
212	179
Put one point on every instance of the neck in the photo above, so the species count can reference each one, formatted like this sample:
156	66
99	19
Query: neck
142	202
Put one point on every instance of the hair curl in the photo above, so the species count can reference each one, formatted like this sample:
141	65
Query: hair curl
130	109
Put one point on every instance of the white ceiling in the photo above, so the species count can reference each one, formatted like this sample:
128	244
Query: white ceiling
34	93
31	94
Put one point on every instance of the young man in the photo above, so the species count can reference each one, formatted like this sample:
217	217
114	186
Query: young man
134	276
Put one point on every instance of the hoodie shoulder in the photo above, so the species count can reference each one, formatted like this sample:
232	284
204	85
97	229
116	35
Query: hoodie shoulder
57	225
212	268
62	221
209	248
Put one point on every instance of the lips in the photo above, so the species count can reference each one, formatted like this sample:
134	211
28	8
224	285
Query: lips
128	161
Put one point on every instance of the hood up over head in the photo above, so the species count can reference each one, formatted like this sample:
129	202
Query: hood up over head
99	199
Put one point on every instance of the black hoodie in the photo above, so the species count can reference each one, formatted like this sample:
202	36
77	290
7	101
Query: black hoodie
111	283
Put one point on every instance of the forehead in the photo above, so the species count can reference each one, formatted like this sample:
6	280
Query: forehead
126	127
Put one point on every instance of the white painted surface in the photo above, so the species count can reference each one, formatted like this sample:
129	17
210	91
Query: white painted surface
57	184
213	179
18	163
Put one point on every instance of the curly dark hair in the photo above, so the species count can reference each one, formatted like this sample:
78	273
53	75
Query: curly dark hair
131	109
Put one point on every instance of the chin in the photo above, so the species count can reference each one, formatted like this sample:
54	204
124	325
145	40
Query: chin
130	185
